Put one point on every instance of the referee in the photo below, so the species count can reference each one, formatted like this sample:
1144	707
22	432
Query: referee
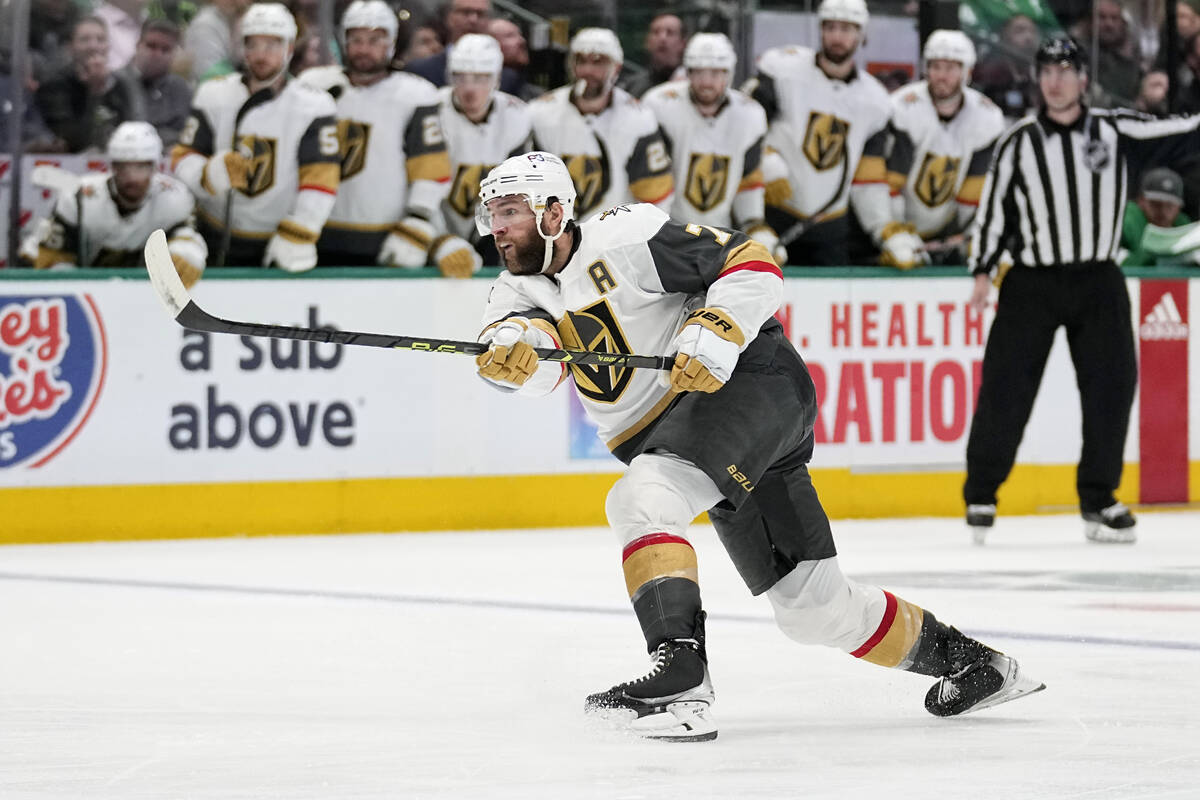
1054	199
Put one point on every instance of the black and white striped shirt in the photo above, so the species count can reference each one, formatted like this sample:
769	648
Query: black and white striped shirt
1055	195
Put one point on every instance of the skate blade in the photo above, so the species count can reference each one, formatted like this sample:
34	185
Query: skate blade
1015	687
979	534
677	722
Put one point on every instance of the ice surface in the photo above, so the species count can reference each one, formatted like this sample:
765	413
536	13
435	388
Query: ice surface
455	665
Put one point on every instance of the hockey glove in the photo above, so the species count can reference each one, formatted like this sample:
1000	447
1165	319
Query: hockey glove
762	233
408	243
226	170
901	247
189	252
293	248
510	359
707	349
455	257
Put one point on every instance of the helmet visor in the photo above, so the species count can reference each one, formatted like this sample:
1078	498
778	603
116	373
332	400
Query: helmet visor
501	212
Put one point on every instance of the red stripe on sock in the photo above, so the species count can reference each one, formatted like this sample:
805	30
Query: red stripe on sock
652	539
889	616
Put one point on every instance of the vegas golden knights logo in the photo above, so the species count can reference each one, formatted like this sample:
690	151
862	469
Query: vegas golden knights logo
261	153
707	179
354	137
590	174
464	191
936	179
596	328
825	140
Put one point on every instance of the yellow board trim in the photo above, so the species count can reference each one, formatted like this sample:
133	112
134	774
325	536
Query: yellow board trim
177	511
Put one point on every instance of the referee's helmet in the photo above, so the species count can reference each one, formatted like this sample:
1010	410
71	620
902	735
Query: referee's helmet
1061	50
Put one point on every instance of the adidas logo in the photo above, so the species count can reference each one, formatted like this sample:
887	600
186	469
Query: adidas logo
1164	321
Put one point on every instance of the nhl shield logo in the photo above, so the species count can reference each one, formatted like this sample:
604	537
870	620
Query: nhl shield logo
353	137
53	359
707	180
596	328
590	176
936	179
1096	155
825	140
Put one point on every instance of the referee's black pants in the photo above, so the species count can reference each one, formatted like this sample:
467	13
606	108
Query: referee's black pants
1092	302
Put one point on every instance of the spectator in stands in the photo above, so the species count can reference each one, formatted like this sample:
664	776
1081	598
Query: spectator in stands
210	40
1152	95
124	19
1118	73
516	53
85	102
665	40
50	26
1189	97
165	98
1159	202
1005	74
1187	25
462	17
426	41
35	136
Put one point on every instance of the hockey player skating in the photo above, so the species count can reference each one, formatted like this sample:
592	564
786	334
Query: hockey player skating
260	152
103	220
715	137
389	128
826	139
729	430
483	126
943	134
610	143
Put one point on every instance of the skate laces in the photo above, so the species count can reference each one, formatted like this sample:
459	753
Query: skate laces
662	655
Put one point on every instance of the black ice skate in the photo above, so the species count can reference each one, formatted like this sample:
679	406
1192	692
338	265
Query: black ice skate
1112	525
980	519
979	678
671	702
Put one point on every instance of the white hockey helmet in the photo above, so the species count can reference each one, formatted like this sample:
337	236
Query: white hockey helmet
370	14
950	46
536	176
598	41
269	19
853	11
476	52
709	51
134	141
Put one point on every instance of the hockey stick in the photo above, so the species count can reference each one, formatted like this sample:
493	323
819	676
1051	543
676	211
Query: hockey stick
61	181
183	309
1171	241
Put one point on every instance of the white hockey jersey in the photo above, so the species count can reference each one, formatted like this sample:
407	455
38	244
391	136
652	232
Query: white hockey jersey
290	137
828	133
627	288
474	148
393	161
616	156
936	167
108	237
717	159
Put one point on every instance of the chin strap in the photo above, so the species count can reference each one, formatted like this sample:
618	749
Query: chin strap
550	240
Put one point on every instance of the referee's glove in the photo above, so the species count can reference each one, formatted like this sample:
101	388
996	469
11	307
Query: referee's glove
901	247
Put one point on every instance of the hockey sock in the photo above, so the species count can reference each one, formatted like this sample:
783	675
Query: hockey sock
897	640
661	576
